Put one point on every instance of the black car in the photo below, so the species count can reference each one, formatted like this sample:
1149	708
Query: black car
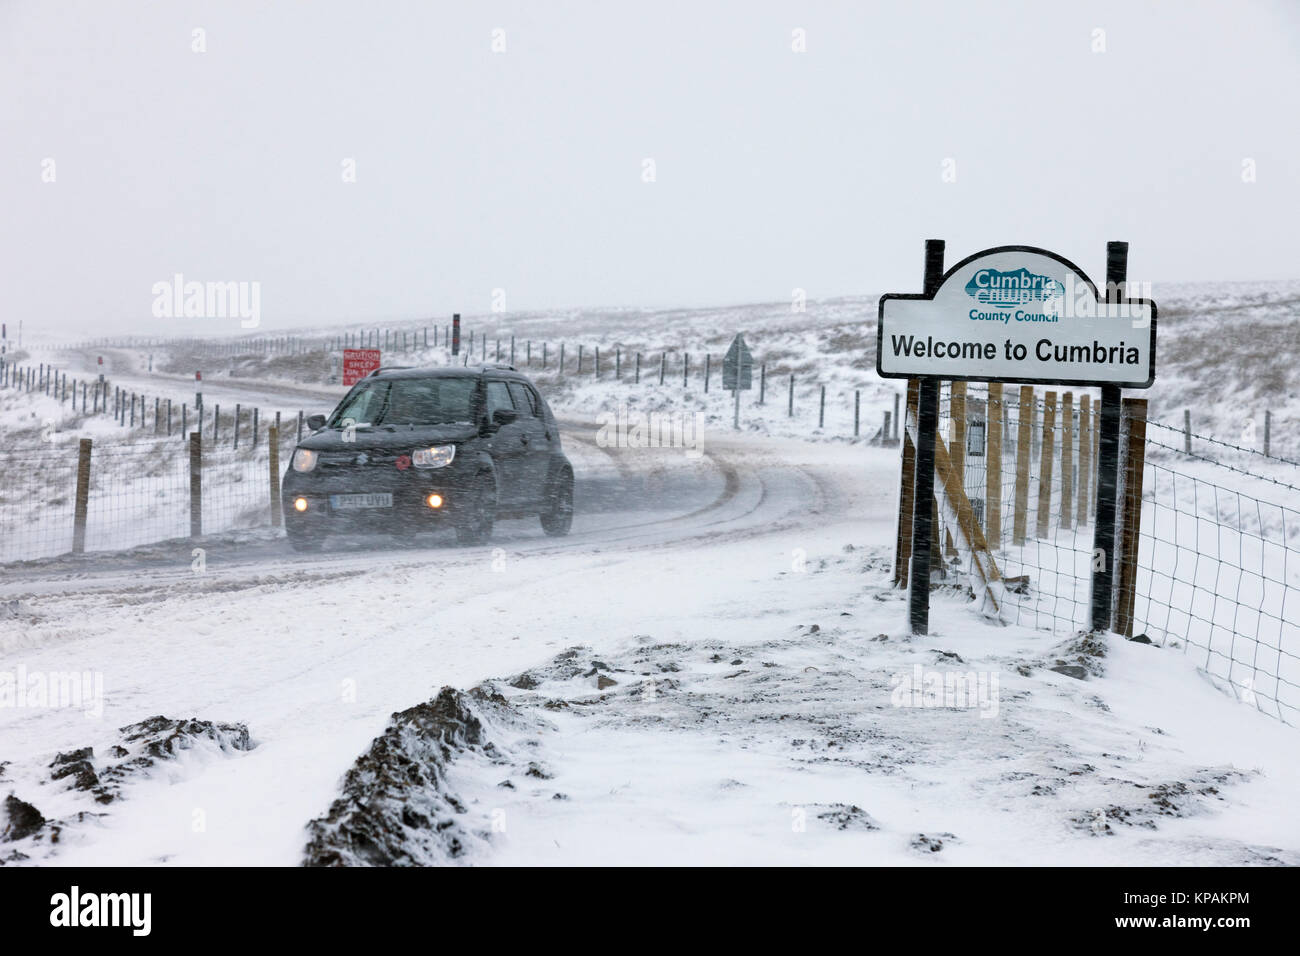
411	449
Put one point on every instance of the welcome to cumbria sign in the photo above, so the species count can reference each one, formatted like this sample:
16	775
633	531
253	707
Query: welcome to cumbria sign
1018	314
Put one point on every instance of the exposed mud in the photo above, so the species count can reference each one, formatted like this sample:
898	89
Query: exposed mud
396	808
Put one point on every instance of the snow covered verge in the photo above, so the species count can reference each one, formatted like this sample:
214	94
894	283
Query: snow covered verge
830	741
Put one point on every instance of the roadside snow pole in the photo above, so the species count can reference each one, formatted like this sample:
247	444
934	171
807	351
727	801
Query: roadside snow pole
686	368
561	366
455	335
638	369
708	362
663	366
857	405
237	409
196	485
762	383
299	425
273	436
790	408
255	426
83	497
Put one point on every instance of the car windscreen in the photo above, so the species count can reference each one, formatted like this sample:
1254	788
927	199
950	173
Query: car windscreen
409	401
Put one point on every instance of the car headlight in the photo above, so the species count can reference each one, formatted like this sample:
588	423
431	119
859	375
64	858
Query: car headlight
439	456
304	459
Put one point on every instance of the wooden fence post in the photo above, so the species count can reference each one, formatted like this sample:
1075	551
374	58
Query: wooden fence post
1187	431
1096	451
1024	438
993	467
957	429
196	485
1085	465
1134	432
1045	463
1067	460
273	436
82	502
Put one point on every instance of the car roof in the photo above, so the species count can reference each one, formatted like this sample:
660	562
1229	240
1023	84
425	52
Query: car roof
445	371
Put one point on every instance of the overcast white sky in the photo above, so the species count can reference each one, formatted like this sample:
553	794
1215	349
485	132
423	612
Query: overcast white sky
523	170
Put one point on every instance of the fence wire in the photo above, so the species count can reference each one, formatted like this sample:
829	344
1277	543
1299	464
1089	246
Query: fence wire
1219	572
139	492
1217	565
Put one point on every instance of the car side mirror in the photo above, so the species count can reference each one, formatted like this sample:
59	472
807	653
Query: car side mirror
503	416
316	422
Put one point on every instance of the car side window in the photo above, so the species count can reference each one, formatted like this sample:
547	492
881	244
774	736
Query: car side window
524	400
498	397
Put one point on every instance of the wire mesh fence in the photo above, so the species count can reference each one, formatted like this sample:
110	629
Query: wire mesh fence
137	492
1216	569
1219	572
1027	467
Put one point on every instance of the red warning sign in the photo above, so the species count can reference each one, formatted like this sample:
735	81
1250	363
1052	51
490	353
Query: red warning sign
358	363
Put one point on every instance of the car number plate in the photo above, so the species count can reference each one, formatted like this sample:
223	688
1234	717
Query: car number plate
349	502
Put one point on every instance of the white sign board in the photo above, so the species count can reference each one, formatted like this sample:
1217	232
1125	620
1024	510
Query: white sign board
1018	314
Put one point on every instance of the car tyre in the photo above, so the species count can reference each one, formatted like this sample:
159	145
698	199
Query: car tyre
557	519
474	525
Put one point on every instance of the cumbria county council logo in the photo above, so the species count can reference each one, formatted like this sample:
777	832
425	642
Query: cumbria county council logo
1009	289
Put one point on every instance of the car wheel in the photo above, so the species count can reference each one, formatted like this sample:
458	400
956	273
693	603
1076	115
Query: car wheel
303	541
557	519
474	525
